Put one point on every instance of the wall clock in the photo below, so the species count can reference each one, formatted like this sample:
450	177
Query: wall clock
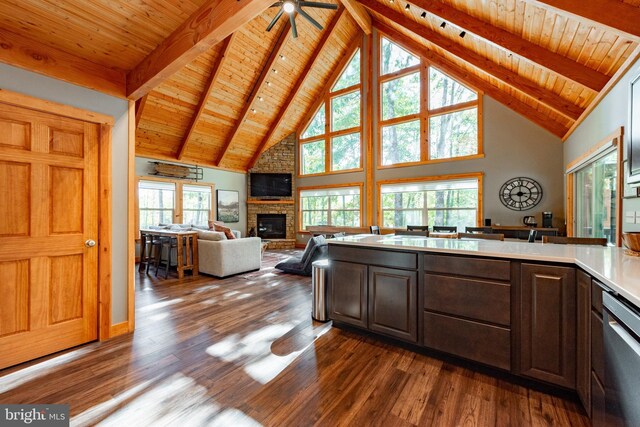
520	194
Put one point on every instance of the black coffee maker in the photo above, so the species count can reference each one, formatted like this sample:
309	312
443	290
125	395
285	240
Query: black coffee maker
547	220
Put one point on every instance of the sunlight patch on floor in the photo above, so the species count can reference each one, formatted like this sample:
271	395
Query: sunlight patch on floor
158	305
16	379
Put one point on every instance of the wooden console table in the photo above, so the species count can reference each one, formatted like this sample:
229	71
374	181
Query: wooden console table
187	249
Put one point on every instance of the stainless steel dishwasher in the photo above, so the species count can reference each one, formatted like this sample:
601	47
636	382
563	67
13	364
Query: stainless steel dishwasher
622	362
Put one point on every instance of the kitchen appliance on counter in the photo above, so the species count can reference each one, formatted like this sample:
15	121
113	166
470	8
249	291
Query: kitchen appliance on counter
530	221
622	358
547	220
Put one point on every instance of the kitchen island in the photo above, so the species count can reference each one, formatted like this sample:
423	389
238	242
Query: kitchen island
531	309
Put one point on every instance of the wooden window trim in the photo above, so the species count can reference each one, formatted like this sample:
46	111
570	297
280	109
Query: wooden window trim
178	208
617	140
425	114
451	177
329	134
299	190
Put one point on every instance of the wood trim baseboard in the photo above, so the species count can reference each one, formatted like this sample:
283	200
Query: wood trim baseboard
118	329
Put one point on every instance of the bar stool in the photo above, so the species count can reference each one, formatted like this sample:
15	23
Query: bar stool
168	243
152	250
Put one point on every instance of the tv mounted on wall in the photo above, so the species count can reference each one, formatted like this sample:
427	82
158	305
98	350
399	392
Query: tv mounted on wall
270	184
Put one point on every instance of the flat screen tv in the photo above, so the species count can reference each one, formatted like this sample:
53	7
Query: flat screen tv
270	184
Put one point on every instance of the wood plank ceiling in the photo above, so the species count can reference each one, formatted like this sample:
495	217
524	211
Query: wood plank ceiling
229	92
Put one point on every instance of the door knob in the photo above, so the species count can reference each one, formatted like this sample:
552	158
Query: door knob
90	243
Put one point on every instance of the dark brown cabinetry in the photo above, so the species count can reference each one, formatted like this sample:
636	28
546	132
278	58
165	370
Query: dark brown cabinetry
597	358
548	324
467	308
393	302
349	293
583	339
376	290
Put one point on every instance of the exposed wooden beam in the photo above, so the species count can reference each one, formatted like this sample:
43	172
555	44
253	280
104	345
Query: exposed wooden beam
204	96
257	88
624	68
505	75
34	56
209	25
619	17
359	14
556	63
456	72
140	104
296	88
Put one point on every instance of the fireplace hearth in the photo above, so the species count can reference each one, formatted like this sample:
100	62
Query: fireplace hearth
272	226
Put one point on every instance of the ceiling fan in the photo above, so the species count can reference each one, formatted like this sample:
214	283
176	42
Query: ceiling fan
291	7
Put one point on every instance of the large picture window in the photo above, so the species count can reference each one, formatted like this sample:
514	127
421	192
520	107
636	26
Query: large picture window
156	201
431	201
337	207
331	141
163	201
424	114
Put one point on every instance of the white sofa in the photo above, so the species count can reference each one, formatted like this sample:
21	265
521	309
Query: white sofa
226	257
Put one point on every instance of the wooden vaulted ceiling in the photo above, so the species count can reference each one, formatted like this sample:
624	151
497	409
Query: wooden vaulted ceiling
214	88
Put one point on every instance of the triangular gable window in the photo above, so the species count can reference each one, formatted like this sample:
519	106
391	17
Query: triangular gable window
394	58
316	126
445	91
351	75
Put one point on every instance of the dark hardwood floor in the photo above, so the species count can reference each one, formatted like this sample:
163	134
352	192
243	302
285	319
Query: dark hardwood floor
244	351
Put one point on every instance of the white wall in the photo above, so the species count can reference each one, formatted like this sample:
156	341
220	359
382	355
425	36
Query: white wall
36	85
223	180
610	114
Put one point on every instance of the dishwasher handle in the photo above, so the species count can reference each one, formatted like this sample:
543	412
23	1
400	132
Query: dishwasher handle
624	335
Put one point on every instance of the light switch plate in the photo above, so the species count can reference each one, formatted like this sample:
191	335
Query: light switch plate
630	217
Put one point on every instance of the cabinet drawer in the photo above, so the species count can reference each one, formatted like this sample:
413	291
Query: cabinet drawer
482	343
374	257
597	345
466	266
596	297
476	299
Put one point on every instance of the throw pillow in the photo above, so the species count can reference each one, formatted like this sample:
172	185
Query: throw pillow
216	236
226	230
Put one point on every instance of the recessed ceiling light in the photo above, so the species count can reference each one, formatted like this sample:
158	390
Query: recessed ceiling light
260	98
253	110
275	71
268	83
282	57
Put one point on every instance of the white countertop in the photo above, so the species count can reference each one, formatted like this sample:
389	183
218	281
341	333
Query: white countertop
610	265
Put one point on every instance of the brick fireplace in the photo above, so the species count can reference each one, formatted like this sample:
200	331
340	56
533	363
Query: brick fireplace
280	158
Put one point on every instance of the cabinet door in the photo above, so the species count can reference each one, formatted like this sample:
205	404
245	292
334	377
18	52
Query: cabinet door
349	293
583	340
548	324
393	302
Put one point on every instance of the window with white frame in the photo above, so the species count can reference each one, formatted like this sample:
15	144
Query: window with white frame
338	207
196	204
444	202
156	202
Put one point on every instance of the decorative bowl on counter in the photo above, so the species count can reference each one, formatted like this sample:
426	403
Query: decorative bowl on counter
632	242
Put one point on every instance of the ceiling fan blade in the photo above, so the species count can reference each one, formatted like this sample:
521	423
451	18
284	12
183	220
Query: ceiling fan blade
309	18
294	29
318	5
277	4
275	19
